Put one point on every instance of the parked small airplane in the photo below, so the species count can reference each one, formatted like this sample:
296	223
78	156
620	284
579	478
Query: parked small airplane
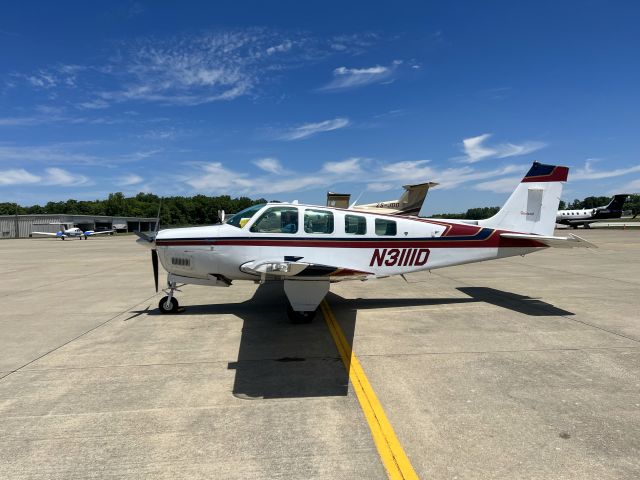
587	216
408	204
308	246
71	232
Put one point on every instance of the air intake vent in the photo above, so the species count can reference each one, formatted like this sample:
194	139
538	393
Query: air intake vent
181	261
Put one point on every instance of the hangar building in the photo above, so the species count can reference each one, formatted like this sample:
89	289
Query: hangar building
21	226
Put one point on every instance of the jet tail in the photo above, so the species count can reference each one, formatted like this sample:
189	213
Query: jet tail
533	206
413	197
617	202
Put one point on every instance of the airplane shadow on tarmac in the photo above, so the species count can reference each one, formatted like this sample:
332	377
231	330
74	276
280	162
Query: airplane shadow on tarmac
513	301
277	359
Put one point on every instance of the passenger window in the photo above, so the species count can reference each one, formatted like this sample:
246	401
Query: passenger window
318	221
355	224
277	220
385	227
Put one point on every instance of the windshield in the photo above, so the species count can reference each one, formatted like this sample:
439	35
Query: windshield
241	218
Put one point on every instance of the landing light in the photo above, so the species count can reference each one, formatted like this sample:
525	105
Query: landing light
278	267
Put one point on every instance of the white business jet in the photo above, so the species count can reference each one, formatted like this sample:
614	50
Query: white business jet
308	247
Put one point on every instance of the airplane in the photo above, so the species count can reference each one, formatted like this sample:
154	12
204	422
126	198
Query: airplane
587	216
308	247
70	232
409	203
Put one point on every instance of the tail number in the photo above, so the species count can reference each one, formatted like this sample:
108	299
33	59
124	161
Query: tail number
401	257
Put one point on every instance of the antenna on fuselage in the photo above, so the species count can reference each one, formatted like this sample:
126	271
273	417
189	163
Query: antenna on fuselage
356	200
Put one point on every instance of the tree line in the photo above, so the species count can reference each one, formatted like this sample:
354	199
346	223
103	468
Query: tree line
176	211
632	205
203	210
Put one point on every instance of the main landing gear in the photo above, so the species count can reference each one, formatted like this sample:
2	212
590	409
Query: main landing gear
169	304
300	317
304	298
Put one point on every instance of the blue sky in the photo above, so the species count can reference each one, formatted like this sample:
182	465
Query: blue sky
286	100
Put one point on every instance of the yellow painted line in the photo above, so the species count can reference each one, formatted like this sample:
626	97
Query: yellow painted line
393	457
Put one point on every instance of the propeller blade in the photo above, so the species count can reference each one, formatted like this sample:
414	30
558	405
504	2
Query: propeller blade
144	236
155	233
154	262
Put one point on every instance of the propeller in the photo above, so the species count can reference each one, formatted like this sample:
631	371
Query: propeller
149	241
154	262
154	251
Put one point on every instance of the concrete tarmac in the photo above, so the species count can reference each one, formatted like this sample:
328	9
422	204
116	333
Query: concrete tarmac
517	368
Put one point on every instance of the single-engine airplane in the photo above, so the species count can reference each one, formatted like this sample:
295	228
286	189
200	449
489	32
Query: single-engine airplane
409	203
587	216
308	247
71	232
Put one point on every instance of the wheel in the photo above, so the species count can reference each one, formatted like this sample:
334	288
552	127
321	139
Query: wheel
171	308
300	317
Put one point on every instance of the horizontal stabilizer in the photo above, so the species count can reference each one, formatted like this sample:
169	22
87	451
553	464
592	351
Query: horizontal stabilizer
572	241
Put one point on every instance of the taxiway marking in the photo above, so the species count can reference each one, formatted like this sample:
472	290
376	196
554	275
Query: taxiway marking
393	456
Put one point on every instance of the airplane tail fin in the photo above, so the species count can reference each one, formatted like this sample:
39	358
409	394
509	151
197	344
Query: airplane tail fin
413	197
617	202
533	205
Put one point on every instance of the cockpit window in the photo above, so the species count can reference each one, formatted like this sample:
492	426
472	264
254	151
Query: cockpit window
241	218
277	220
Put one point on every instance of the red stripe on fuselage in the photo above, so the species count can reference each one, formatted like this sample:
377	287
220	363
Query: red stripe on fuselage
493	241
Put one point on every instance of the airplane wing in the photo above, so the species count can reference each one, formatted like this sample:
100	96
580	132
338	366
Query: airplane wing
292	269
48	234
90	234
572	241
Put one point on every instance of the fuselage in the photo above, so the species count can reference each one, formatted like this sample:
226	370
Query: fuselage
339	244
588	215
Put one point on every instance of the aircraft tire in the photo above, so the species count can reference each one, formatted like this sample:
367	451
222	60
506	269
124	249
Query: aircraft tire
298	318
163	308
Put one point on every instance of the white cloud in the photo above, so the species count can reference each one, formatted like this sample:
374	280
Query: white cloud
53	176
280	48
632	187
309	129
67	153
130	179
380	187
57	153
588	173
476	150
350	166
501	185
189	69
215	177
60	177
347	78
419	171
17	176
271	165
94	104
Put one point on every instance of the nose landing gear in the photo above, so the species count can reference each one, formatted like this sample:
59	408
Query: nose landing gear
169	304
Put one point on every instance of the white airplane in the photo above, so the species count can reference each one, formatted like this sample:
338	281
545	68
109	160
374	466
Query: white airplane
308	247
70	232
587	216
409	203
